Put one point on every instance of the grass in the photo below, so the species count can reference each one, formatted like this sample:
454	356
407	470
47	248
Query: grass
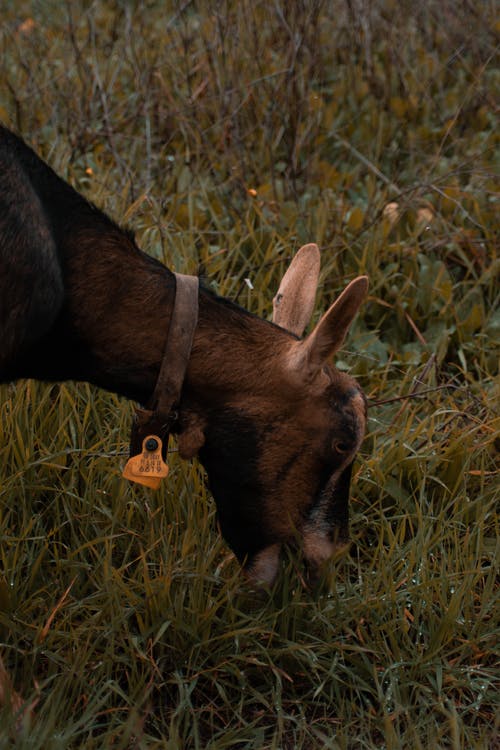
227	134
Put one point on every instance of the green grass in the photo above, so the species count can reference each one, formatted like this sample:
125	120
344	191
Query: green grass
227	134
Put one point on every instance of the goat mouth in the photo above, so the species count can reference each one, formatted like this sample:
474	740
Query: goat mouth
320	546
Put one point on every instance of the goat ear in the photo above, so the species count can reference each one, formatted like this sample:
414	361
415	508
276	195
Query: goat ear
294	300
312	353
191	436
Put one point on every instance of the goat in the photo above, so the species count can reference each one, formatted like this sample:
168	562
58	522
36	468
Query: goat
275	425
277	440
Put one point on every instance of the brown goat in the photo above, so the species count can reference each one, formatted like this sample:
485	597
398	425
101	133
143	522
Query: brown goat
275	425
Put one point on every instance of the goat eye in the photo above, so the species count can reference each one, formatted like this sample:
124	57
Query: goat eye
340	447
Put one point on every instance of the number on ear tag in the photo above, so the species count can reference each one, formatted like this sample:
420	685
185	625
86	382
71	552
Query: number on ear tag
147	468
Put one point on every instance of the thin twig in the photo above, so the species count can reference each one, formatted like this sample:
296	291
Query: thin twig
414	394
369	164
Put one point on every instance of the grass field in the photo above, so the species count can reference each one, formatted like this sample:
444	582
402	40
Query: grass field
226	134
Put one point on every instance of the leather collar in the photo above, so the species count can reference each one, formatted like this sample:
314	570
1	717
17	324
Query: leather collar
161	411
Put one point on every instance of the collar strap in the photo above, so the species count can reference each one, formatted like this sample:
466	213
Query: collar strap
162	409
167	392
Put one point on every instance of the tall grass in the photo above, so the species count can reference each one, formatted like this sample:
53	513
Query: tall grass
227	134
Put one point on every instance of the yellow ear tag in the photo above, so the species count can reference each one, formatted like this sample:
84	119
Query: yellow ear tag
148	467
